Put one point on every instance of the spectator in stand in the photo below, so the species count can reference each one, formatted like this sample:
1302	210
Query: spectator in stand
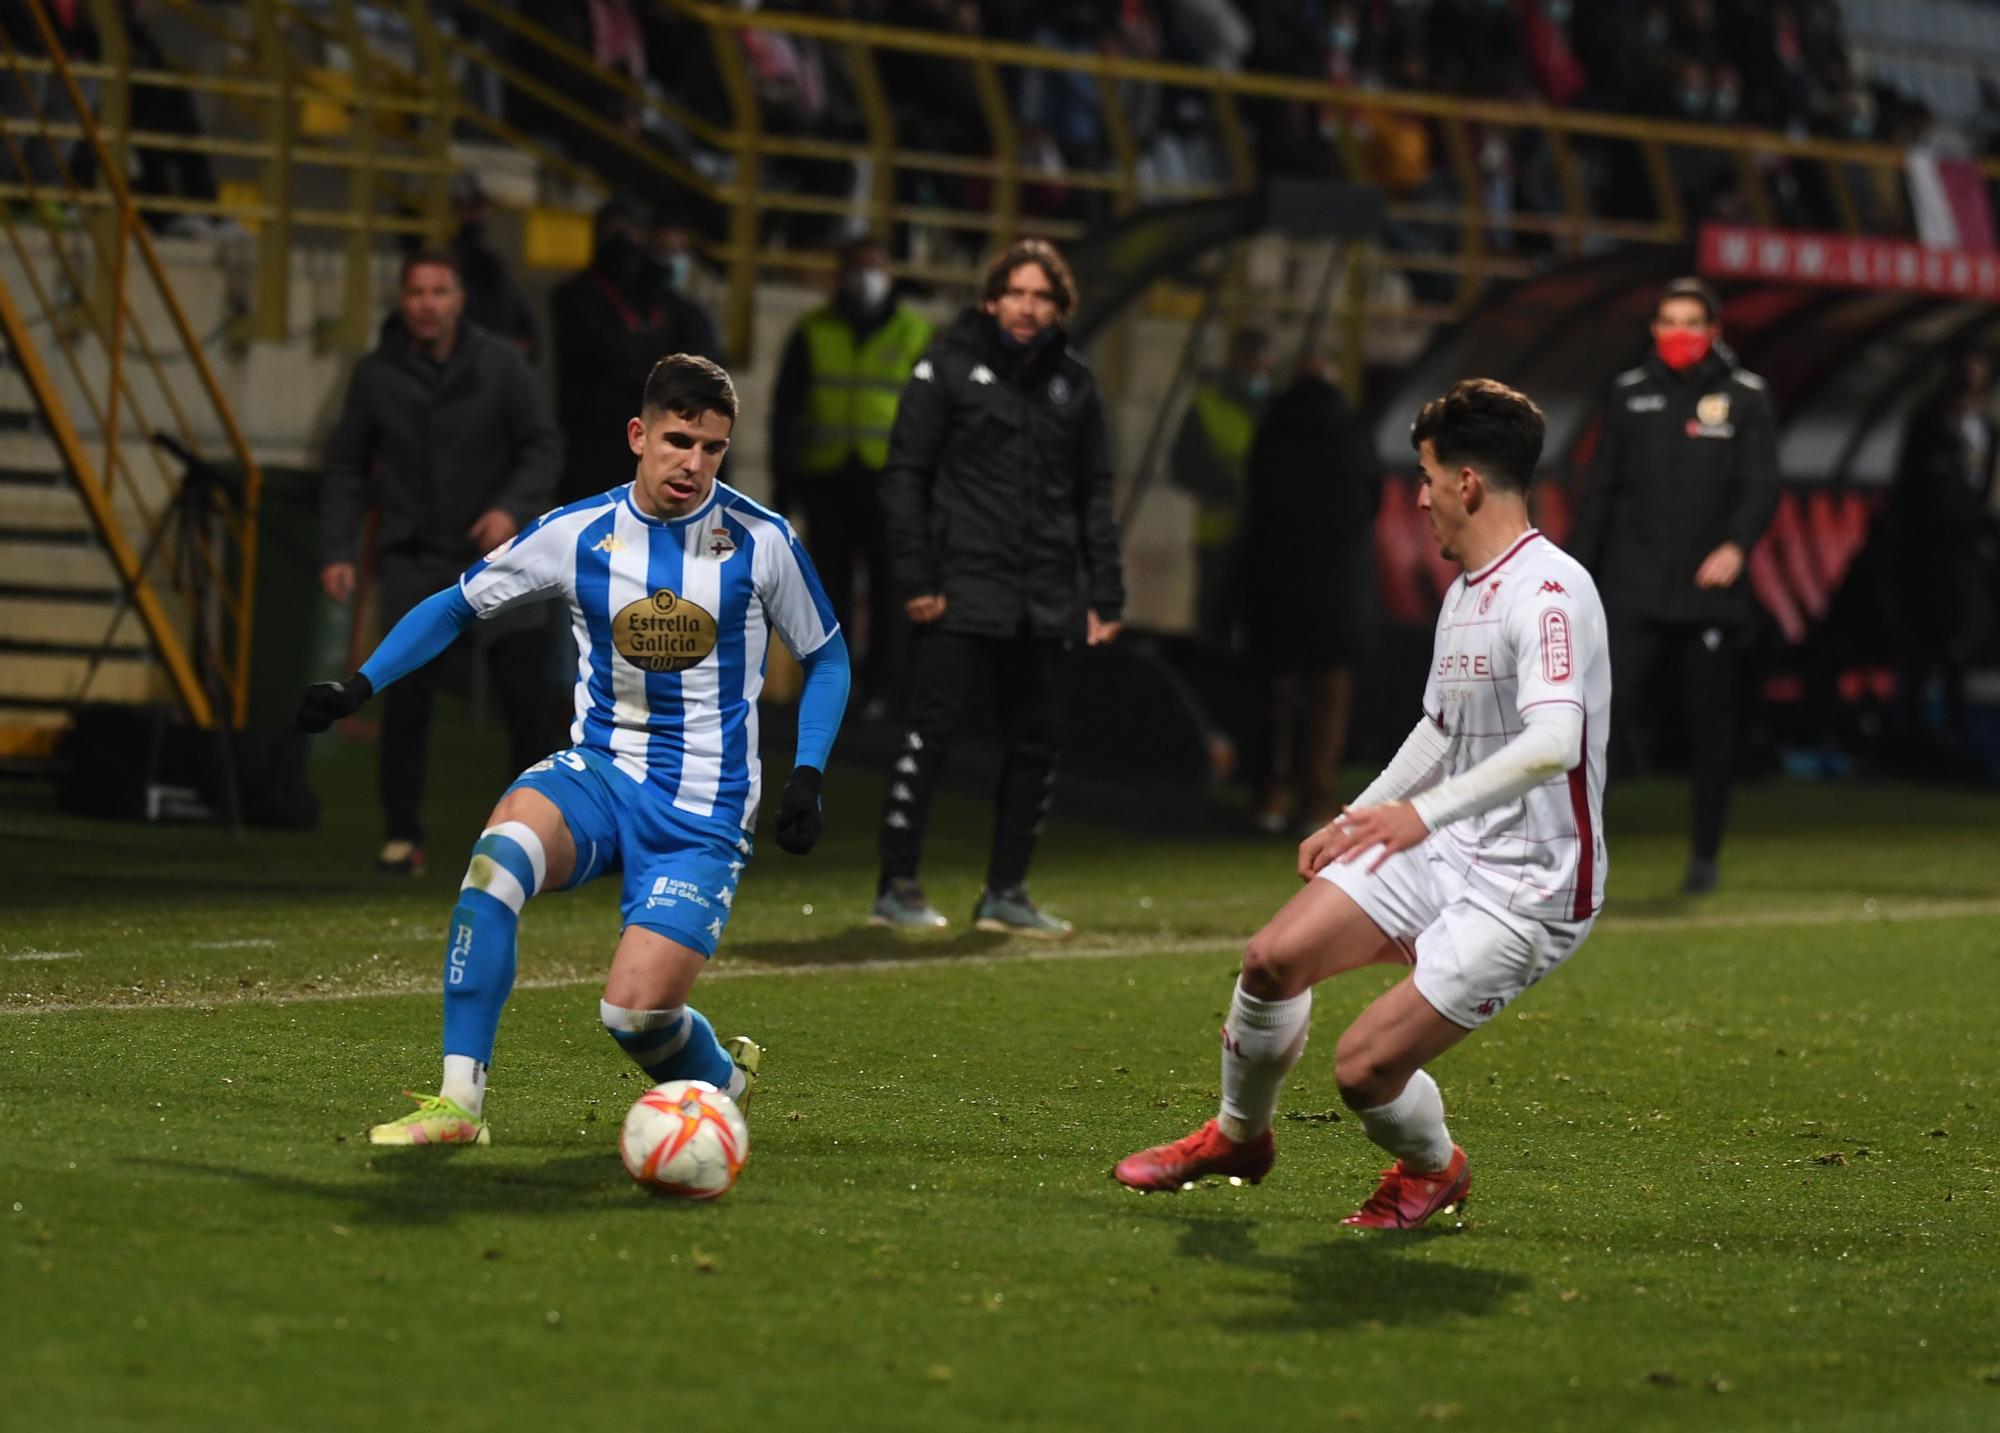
682	271
1209	32
797	95
593	28
491	298
1063	103
610	325
1310	613
1290	40
23	96
165	170
1943	543
1545	46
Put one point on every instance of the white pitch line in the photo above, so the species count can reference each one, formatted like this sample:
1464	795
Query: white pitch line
47	955
255	943
1018	955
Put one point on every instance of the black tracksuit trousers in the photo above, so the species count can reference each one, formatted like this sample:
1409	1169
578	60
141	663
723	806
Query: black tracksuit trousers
1027	679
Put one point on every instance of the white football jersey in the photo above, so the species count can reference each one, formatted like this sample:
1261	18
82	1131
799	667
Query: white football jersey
1524	630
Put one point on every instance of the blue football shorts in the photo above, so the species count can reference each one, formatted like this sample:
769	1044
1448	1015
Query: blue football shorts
680	869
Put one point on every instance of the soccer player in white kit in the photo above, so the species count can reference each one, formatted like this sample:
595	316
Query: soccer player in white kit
1476	858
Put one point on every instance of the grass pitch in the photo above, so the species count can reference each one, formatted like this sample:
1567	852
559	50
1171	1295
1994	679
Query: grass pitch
1734	1167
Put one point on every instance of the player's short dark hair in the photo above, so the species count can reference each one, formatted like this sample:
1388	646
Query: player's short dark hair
428	257
1692	288
1484	424
688	385
1032	251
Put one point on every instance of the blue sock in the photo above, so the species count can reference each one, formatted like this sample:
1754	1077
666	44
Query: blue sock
676	1044
507	867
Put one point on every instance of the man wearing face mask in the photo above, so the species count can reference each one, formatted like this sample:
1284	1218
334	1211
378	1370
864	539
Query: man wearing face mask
674	252
611	324
491	299
1209	457
1684	482
838	387
998	497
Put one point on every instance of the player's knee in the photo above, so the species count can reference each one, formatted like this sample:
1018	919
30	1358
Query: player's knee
1362	1076
508	864
1269	971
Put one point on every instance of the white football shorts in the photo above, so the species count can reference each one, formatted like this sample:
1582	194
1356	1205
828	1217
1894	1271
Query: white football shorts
1472	956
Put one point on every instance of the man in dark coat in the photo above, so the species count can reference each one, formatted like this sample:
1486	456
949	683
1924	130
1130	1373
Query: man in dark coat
454	429
1311	612
1942	539
611	324
1683	485
997	489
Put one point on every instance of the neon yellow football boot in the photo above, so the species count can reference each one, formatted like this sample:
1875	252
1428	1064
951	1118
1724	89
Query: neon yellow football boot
435	1120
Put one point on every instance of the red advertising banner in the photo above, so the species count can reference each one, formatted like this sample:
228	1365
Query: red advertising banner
1846	261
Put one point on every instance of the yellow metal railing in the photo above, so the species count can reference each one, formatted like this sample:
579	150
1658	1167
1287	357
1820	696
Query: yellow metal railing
1479	245
393	153
93	291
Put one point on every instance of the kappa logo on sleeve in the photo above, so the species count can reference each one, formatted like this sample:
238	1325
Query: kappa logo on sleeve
1551	585
923	372
1555	645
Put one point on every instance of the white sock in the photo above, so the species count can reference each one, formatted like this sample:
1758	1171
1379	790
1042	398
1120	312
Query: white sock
464	1082
738	1082
1411	1126
1261	1041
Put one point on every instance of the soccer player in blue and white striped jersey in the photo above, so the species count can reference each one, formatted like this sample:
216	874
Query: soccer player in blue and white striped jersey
675	584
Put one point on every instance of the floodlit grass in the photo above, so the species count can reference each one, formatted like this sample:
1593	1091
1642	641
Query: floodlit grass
1734	1167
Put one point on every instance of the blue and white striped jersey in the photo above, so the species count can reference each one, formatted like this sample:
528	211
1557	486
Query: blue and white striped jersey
672	621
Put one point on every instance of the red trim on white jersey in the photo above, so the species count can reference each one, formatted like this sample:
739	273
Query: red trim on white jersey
1473	579
1586	839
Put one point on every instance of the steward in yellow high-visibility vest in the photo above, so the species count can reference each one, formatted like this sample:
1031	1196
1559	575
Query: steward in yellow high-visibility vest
835	402
1211	454
855	381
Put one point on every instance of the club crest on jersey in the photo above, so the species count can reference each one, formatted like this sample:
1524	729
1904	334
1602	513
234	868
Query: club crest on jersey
718	544
663	633
1486	598
1711	418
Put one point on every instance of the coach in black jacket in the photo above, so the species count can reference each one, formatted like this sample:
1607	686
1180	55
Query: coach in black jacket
1684	483
997	489
455	432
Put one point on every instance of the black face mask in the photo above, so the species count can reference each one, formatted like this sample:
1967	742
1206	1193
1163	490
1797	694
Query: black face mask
620	258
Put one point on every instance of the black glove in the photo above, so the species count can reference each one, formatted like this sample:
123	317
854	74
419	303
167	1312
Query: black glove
799	821
327	702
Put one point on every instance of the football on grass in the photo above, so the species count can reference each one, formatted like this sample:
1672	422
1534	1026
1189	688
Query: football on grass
685	1138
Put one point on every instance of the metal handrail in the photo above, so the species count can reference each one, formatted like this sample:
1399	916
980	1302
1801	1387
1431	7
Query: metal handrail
111	314
1572	224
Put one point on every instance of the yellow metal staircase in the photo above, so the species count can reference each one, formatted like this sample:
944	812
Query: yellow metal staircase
115	585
